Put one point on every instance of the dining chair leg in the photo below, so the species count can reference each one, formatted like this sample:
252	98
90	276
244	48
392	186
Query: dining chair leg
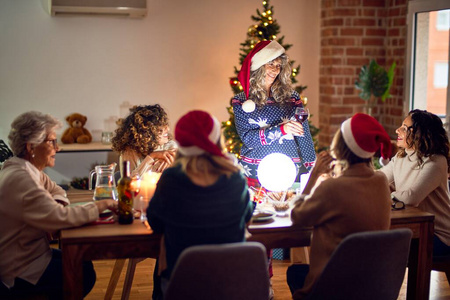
115	275
129	277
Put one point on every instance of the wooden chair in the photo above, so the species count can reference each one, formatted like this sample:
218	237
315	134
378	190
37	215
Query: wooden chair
115	275
235	271
117	270
367	265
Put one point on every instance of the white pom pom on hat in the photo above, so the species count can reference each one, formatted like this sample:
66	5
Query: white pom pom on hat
248	106
198	132
261	54
364	136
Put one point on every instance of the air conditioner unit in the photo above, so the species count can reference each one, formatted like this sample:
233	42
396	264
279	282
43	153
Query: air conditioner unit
128	8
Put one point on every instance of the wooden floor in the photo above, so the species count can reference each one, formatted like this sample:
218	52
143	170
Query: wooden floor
142	284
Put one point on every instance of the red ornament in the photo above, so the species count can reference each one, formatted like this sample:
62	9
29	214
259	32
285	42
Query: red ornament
234	81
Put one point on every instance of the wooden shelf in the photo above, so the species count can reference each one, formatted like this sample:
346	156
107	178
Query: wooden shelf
90	147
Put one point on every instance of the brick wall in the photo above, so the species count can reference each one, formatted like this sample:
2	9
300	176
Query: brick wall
352	33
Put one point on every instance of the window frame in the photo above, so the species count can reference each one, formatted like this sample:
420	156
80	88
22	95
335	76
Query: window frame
415	7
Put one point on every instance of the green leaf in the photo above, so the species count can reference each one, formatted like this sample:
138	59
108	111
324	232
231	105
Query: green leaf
390	75
374	80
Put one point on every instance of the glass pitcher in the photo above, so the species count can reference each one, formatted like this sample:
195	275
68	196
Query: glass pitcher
105	184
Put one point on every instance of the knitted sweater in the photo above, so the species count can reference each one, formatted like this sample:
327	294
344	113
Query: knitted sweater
425	187
188	214
261	134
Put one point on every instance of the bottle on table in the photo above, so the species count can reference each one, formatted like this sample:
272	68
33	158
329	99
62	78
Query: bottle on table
125	190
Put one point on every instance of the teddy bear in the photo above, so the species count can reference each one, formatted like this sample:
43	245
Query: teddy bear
76	133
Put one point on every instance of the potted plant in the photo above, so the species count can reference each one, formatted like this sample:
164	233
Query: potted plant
374	82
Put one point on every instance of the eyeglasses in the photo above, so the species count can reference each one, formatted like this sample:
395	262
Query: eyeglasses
53	142
397	204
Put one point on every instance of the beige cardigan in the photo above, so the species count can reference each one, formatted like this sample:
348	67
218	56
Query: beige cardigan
28	212
359	200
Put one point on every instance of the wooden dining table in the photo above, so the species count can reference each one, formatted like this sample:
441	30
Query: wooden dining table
112	241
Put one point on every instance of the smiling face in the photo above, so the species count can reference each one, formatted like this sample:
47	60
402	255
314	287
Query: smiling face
272	69
44	153
163	137
402	133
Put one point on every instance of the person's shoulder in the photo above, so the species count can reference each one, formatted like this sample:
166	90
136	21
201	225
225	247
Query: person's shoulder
437	159
238	99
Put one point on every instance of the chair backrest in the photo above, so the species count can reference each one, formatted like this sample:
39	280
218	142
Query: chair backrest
220	272
366	265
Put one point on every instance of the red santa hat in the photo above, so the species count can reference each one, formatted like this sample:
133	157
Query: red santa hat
260	55
198	132
364	136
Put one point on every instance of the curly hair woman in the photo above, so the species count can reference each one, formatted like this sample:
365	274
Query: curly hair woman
264	112
418	174
143	139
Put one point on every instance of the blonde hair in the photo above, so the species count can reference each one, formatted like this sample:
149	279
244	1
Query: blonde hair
343	155
281	88
207	165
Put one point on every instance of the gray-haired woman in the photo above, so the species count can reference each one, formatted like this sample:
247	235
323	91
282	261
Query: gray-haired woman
31	206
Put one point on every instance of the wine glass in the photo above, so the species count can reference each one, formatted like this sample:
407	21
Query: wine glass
301	114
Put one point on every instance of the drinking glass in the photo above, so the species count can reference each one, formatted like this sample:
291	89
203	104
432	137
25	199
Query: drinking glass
301	114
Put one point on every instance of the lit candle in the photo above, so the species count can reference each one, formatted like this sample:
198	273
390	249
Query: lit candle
146	191
148	184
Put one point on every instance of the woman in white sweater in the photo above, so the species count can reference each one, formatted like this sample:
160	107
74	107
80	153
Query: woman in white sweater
418	174
32	207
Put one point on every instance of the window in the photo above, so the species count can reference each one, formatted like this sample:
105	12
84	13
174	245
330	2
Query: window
443	20
440	77
427	78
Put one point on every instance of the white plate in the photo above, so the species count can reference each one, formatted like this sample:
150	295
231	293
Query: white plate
262	215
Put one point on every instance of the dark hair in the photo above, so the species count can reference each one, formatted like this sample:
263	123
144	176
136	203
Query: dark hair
140	130
427	136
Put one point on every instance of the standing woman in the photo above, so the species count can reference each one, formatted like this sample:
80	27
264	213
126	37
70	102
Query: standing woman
418	174
264	112
32	206
143	139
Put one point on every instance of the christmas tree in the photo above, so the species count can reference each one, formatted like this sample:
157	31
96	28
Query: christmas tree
266	28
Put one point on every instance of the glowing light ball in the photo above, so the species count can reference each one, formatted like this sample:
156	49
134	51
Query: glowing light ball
276	172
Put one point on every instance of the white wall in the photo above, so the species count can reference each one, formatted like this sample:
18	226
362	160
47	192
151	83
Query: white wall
181	56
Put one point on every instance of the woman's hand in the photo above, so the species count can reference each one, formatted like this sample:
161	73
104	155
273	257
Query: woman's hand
323	163
293	127
321	166
103	205
167	156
